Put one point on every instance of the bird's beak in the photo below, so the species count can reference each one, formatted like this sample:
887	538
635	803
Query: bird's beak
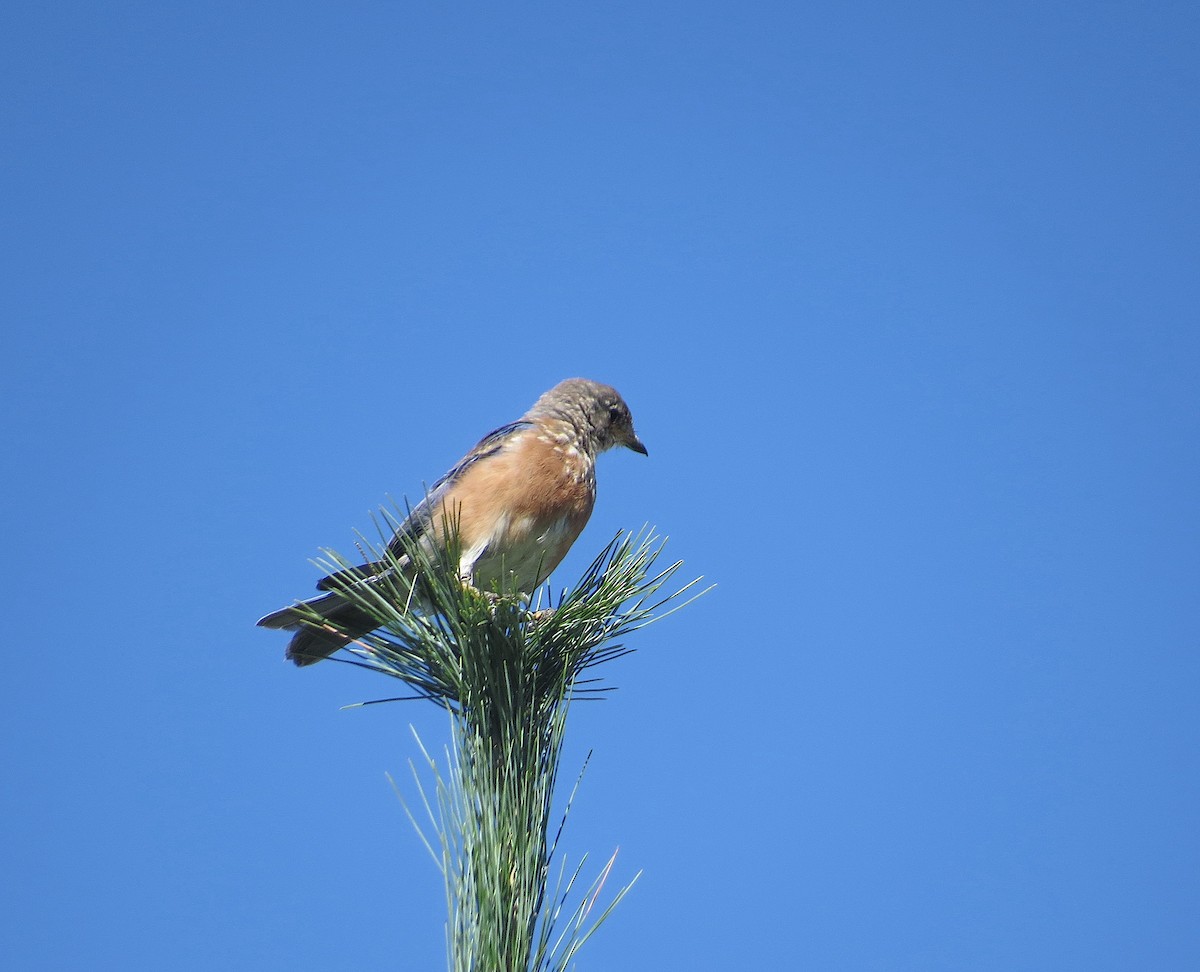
634	443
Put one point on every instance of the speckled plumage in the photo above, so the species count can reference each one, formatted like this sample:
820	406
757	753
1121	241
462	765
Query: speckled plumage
521	498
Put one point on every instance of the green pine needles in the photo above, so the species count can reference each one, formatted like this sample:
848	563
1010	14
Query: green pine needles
506	674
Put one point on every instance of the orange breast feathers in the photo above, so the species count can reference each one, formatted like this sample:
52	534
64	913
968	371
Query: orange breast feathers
520	510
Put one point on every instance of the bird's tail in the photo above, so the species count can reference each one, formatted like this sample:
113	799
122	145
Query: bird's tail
310	644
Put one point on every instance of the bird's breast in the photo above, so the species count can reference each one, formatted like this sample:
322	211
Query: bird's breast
522	512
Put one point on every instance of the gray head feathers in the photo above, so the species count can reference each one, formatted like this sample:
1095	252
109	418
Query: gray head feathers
597	413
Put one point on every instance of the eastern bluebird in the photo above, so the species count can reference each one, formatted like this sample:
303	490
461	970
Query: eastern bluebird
520	498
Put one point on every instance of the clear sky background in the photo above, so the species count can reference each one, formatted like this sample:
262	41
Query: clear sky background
904	300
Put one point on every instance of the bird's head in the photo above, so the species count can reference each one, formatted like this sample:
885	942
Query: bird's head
597	412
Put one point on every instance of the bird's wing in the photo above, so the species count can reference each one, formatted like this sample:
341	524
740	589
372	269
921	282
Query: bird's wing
422	516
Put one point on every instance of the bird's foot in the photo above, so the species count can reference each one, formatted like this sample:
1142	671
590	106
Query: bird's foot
490	596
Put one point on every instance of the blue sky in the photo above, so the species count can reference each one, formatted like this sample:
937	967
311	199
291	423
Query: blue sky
904	300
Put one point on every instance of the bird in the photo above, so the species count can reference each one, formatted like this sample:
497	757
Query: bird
520	499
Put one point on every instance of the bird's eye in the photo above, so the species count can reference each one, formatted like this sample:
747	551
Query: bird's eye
614	411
